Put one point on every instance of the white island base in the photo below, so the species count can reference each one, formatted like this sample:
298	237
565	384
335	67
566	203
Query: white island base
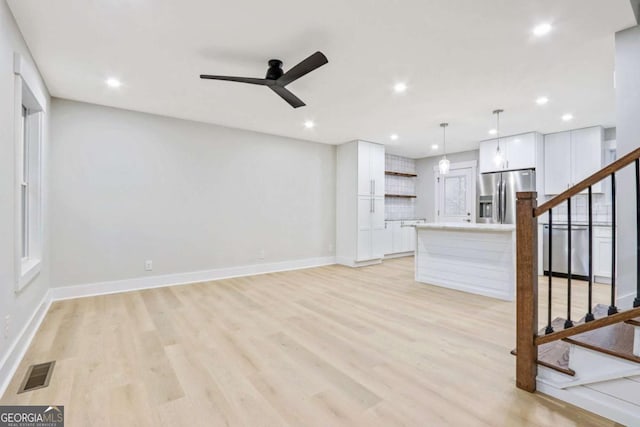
475	258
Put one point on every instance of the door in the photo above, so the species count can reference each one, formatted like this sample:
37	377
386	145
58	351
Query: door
365	185
456	195
557	162
376	168
514	182
365	209
377	227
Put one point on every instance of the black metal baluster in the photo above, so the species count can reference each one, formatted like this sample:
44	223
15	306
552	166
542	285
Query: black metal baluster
589	317
549	328
612	308
636	301
568	323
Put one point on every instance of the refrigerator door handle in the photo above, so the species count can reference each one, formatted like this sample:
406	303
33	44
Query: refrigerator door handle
504	201
500	201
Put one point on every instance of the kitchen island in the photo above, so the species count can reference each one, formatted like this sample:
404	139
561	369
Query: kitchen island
475	258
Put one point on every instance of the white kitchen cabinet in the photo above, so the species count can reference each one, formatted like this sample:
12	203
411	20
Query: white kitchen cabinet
586	147
403	236
360	226
370	169
518	151
602	245
570	157
557	152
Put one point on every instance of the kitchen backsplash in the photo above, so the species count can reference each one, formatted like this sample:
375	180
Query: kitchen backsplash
398	207
580	209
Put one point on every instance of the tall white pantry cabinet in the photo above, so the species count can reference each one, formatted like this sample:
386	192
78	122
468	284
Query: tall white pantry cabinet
360	203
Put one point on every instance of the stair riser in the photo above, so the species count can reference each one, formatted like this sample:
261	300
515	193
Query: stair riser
594	364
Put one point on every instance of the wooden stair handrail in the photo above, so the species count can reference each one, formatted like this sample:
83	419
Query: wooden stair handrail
590	326
588	182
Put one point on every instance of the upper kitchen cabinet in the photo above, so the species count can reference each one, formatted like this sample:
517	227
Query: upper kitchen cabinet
370	169
519	152
572	156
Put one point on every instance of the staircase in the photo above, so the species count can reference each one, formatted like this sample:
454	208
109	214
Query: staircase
593	363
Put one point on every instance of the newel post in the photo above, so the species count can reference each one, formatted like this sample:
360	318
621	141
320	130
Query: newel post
526	290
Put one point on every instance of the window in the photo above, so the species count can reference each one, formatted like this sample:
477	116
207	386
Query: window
29	117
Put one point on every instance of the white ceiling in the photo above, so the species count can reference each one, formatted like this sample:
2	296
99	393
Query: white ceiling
460	59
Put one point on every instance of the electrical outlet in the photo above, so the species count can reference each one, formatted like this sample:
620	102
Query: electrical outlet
330	248
261	254
148	265
7	324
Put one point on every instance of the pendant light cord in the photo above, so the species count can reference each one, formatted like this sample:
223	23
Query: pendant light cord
444	141
497	113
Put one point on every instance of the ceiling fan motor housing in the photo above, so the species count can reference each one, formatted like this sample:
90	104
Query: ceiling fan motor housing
275	69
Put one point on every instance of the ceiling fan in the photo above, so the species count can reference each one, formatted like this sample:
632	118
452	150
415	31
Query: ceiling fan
276	79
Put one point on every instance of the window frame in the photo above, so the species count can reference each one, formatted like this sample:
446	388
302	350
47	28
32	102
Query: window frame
29	134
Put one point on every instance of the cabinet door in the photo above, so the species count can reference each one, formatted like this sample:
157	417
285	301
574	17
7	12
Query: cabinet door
397	236
557	162
388	238
602	257
377	228
521	150
586	154
408	236
365	185
365	209
376	168
487	159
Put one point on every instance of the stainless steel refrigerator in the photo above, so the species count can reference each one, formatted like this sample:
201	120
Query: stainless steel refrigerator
496	194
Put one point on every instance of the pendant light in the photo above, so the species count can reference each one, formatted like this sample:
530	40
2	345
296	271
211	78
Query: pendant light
499	157
444	164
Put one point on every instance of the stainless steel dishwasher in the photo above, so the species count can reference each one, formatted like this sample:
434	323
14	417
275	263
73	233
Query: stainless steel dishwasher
560	253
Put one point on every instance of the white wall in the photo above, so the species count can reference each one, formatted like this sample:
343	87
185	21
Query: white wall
20	307
628	139
425	184
127	187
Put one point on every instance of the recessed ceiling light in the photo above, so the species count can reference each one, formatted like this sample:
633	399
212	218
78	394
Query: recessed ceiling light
434	147
493	132
400	87
309	124
394	136
567	117
542	29
113	82
541	100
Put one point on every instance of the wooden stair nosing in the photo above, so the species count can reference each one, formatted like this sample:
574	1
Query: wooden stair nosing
603	320
550	365
634	322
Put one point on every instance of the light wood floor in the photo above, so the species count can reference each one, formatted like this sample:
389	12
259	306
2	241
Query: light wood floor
327	346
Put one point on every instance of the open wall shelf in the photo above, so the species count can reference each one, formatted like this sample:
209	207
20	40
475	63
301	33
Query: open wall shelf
407	175
406	196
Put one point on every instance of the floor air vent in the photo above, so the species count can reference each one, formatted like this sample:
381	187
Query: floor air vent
38	376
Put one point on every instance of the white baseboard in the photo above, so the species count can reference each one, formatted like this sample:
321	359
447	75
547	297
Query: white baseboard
139	283
9	365
625	302
349	262
399	255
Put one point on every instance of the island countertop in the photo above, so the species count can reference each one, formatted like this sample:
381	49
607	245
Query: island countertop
466	226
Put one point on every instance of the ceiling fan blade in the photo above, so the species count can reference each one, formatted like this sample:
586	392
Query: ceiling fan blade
263	82
293	100
308	65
